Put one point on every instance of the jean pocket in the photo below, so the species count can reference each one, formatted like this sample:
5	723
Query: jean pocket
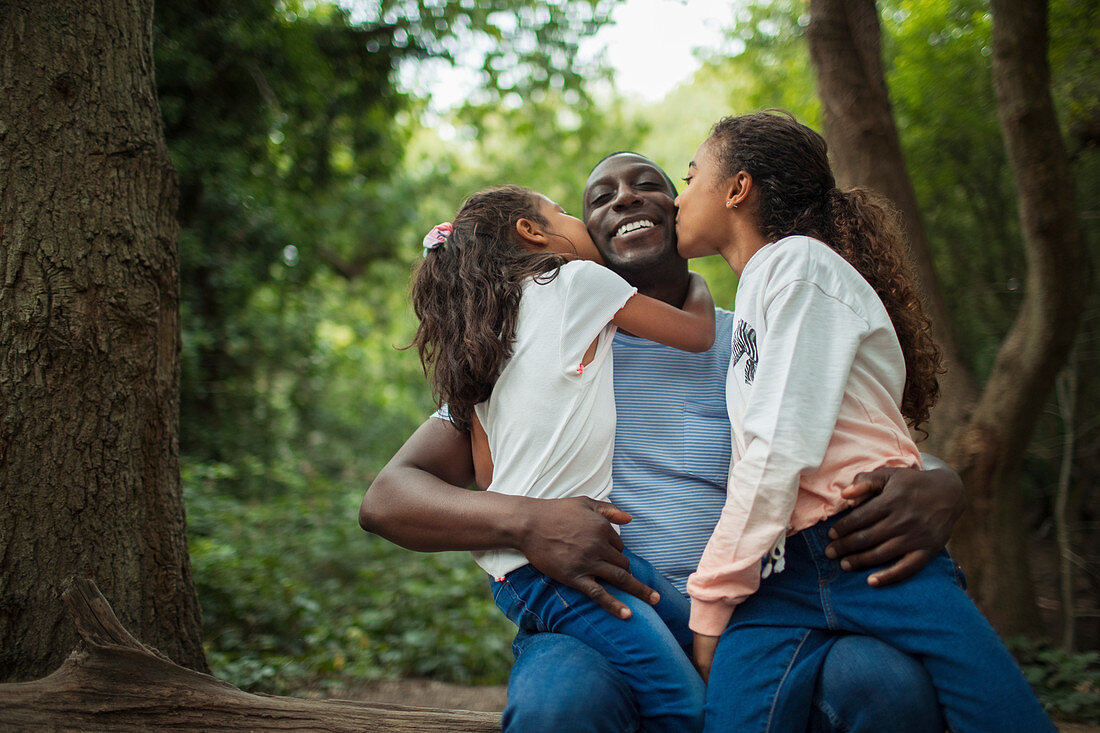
707	441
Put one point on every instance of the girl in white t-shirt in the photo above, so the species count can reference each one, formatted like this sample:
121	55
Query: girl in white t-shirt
832	353
517	316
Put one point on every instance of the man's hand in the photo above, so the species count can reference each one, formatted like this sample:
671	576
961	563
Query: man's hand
573	542
704	648
907	523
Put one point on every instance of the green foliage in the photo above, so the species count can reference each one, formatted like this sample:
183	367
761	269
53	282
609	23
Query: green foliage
956	158
276	122
952	145
1067	683
294	594
521	46
549	144
1074	58
770	67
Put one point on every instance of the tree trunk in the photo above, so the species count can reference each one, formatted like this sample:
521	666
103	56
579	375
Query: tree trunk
115	683
990	447
986	447
89	334
1065	388
845	49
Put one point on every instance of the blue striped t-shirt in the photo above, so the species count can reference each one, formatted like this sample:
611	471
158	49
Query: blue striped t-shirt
672	447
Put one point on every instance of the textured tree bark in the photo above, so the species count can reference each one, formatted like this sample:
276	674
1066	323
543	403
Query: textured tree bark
991	446
89	334
1065	388
845	49
983	438
113	682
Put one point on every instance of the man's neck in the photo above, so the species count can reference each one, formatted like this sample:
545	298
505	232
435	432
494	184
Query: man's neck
671	291
666	280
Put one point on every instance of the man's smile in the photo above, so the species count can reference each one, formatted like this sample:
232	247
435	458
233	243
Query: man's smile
634	226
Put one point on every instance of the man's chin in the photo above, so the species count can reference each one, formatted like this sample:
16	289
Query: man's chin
639	260
634	250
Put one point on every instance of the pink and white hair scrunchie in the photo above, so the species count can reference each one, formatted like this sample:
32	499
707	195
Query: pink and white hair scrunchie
437	237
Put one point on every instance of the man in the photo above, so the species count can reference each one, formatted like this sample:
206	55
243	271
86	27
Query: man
671	456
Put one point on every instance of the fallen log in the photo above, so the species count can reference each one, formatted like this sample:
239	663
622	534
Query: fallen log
112	681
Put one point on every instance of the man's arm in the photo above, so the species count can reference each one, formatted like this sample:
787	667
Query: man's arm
906	522
418	501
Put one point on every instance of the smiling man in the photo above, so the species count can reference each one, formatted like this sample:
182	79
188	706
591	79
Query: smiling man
672	451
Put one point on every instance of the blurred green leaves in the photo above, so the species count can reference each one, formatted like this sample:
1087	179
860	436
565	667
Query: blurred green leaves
1067	683
295	595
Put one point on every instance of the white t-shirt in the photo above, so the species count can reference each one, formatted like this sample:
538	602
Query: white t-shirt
551	421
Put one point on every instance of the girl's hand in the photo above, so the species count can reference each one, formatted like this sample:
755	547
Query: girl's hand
704	648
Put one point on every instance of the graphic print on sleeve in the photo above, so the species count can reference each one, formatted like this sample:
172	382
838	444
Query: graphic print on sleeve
744	344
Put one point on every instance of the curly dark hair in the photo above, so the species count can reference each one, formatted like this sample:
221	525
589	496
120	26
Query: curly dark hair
466	295
797	194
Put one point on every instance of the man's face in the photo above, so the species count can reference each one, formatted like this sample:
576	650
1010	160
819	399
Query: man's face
629	211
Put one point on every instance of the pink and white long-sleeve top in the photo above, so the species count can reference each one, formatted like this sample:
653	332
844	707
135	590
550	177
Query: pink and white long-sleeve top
813	393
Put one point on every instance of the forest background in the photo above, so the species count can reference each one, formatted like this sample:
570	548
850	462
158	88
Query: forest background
307	177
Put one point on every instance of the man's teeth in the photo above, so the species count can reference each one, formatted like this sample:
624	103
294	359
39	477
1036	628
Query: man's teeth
633	227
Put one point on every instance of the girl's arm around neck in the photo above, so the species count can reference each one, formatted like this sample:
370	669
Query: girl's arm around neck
690	328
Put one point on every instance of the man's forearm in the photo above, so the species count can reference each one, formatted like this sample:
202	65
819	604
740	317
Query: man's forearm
418	500
418	511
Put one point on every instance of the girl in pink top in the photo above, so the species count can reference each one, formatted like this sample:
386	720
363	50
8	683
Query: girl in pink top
832	355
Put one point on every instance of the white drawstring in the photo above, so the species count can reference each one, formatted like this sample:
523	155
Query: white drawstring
776	560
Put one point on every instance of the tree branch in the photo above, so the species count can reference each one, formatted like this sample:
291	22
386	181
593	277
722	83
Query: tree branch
114	682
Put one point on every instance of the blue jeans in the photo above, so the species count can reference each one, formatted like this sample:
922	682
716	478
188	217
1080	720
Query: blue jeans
769	659
865	686
649	657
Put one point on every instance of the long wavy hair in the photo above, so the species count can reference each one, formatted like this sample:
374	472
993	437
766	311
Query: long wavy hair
466	294
797	194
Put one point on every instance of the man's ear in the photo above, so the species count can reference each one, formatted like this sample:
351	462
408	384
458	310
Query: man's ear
531	233
738	189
